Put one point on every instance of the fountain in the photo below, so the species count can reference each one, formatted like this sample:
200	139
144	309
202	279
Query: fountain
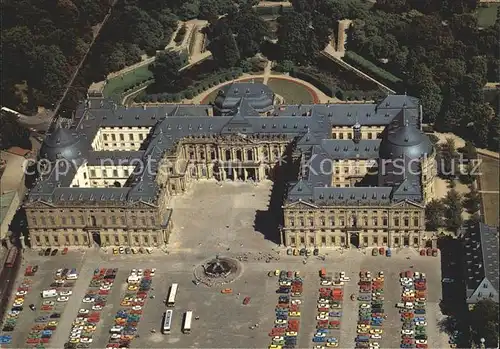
219	270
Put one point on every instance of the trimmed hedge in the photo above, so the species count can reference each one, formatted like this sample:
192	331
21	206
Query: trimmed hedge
197	88
180	34
312	79
378	73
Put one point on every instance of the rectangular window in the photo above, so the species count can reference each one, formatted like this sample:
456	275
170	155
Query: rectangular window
311	240
365	239
291	220
141	136
369	135
415	221
92	173
406	221
37	239
76	239
384	239
106	238
155	239
136	239
122	137
302	240
105	137
396	221
66	239
323	240
349	135
85	239
46	239
415	241
117	240
146	240
334	135
341	136
56	239
342	240
292	241
113	137
396	241
63	220
115	173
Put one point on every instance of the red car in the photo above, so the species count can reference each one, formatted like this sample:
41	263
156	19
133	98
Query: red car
421	345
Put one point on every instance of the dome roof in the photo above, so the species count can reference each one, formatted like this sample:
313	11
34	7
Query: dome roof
259	96
64	144
404	141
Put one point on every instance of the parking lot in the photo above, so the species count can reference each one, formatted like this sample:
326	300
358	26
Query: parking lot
224	322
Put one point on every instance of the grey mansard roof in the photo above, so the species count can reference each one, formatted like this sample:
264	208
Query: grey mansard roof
259	96
309	125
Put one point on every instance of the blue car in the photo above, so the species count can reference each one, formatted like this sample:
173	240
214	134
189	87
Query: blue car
319	339
362	339
7	339
335	314
322	330
418	319
420	311
332	340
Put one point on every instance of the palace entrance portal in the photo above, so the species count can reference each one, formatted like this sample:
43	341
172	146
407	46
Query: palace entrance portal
96	238
354	239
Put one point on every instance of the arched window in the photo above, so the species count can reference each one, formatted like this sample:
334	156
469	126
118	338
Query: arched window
250	154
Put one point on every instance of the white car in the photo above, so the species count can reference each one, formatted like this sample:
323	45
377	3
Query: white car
381	274
324	301
65	293
116	336
14	312
421	323
116	329
326	283
48	303
324	306
105	288
153	271
416	275
136	307
322	316
88	300
97	307
133	272
368	274
345	278
296	302
83	311
278	338
365	306
374	345
409	305
85	340
59	272
76	331
285	283
72	277
319	347
21	293
149	250
140	272
408	332
375	336
62	299
281	322
75	336
421	341
320	334
342	274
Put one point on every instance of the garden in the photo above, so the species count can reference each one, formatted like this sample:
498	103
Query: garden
116	86
292	92
487	14
334	80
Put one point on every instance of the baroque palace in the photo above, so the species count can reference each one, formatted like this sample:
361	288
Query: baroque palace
361	173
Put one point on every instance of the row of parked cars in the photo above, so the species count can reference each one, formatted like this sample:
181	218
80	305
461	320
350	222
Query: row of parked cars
287	324
127	319
18	304
412	309
53	302
329	305
371	313
132	250
85	324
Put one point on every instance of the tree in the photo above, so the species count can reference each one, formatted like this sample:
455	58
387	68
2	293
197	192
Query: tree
448	159
453	210
472	201
296	38
484	322
225	50
166	67
434	213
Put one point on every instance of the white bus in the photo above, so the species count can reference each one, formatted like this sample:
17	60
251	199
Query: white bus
167	321
186	326
171	295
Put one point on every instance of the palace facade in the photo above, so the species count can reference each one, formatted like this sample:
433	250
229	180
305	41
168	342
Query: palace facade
108	177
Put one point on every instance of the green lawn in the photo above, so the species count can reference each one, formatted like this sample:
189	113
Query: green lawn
116	86
211	96
486	16
292	92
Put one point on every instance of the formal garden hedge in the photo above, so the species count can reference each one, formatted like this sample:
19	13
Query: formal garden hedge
333	80
181	33
372	70
198	87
